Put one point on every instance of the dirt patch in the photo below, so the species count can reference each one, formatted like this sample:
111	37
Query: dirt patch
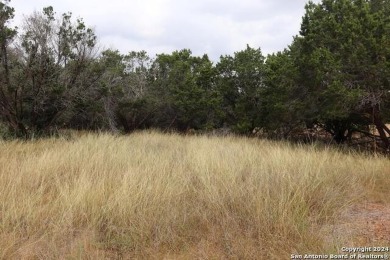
366	224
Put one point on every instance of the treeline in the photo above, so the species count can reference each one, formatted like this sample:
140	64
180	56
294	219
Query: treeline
335	75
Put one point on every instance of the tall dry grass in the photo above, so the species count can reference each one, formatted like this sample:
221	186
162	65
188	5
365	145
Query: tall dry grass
152	195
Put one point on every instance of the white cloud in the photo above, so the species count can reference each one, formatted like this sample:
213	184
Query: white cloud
215	27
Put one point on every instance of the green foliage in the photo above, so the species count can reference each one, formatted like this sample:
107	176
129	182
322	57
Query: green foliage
4	132
335	74
7	35
344	61
240	81
283	107
48	72
127	79
6	14
183	90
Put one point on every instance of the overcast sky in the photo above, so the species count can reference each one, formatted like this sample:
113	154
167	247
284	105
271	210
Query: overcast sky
214	27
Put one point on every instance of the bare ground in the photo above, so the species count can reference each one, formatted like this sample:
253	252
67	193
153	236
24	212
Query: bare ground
365	224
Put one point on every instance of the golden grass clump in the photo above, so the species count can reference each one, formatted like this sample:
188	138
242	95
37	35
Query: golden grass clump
153	195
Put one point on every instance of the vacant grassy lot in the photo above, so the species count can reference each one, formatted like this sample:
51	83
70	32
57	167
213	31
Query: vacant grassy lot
152	195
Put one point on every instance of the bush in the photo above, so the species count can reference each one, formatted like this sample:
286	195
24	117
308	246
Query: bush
4	132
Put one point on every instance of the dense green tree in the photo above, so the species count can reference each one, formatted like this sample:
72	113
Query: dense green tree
240	81
8	113
128	101
118	100
184	92
344	64
50	76
57	66
283	107
335	74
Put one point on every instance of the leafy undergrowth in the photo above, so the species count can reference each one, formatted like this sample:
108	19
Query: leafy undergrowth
153	195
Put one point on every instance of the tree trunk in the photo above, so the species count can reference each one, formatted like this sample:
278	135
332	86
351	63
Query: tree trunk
7	112
381	127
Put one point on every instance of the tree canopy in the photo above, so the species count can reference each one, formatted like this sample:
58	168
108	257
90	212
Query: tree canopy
335	75
344	49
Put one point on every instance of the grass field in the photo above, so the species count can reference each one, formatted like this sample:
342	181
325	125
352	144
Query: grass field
154	196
